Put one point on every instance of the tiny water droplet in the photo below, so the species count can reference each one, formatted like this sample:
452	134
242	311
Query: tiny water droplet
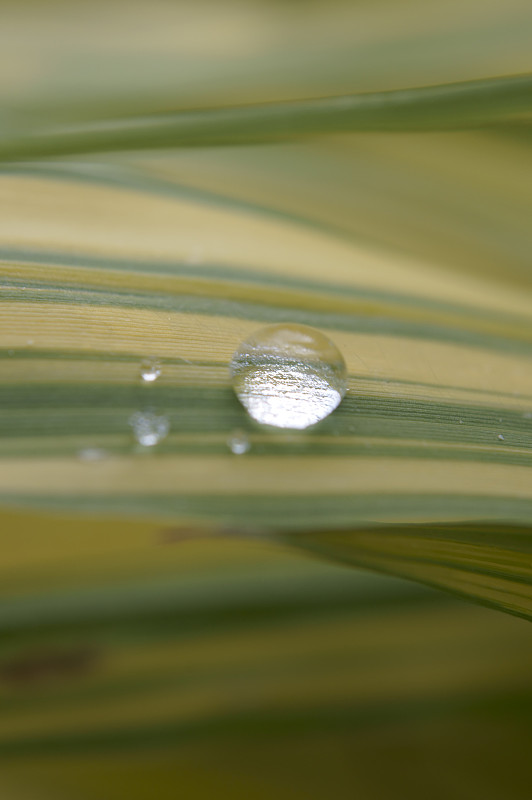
500	437
239	443
149	428
150	370
288	376
92	454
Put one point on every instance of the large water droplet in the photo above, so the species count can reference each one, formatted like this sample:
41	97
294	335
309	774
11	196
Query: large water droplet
289	376
149	428
150	370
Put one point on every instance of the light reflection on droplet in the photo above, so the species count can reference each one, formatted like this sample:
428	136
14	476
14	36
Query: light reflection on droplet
239	443
150	370
149	428
288	376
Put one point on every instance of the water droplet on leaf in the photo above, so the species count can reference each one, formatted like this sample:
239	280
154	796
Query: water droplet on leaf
92	454
239	443
150	370
288	376
149	428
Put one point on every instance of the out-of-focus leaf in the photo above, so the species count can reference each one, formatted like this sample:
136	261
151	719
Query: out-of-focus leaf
454	106
66	63
111	681
492	563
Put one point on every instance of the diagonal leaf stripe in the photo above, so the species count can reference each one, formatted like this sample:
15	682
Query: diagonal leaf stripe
489	562
468	104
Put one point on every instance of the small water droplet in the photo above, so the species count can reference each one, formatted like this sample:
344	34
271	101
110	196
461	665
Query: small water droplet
500	437
92	454
288	376
149	428
150	370
239	443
